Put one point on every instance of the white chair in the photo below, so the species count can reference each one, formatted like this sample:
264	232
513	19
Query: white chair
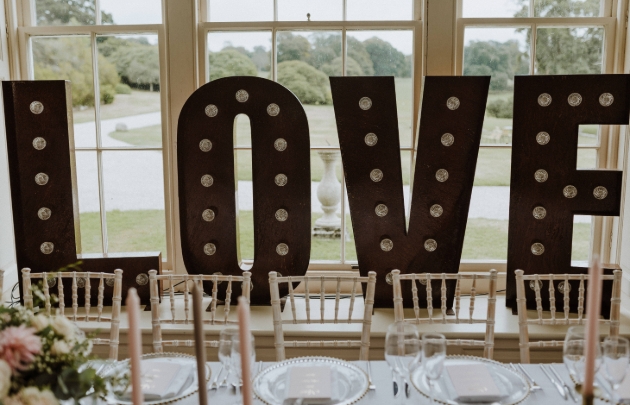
1	285
82	279
176	317
535	281
444	318
319	281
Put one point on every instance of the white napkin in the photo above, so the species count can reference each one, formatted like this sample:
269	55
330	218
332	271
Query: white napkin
164	378
314	385
473	383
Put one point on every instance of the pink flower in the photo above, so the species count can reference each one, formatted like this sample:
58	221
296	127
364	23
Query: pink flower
18	346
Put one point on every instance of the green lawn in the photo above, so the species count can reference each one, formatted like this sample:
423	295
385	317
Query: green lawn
124	105
138	231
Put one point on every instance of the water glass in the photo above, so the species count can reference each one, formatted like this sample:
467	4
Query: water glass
615	359
574	353
236	360
434	353
225	350
402	351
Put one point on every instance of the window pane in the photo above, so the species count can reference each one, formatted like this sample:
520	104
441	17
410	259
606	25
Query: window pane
562	51
131	12
568	8
66	12
89	203
379	10
239	54
386	53
495	8
129	80
484	56
351	250
587	159
582	242
245	197
588	135
70	58
319	10
326	191
240	10
305	61
134	199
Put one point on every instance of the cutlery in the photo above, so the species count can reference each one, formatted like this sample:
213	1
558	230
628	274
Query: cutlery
407	389
559	387
369	373
395	385
214	385
566	386
534	387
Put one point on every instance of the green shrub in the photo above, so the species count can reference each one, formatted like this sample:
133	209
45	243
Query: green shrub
334	67
122	88
501	108
108	93
310	85
230	62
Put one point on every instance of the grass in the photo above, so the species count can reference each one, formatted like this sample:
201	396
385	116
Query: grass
124	105
144	230
146	136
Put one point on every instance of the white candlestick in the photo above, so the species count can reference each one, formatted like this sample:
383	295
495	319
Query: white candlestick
245	342
593	306
200	348
135	345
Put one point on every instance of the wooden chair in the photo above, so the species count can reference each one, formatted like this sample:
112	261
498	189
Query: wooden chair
320	281
175	319
81	277
536	281
444	318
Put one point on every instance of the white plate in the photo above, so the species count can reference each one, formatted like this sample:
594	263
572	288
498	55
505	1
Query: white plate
352	382
512	384
121	367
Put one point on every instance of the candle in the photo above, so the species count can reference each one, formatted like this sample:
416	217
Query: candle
135	345
200	348
244	335
593	305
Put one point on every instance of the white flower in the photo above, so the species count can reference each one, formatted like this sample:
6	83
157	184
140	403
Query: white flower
5	378
40	322
60	347
33	396
63	327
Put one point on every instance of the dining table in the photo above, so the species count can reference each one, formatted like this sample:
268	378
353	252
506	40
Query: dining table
383	393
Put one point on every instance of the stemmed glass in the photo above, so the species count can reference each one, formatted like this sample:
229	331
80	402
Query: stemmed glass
434	353
402	351
225	351
236	362
616	356
574	351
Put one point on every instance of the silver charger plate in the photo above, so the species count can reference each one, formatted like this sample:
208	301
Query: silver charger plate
512	384
123	367
352	382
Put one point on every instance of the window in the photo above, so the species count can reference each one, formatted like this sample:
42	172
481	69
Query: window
521	37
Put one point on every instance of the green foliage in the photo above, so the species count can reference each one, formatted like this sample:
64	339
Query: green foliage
499	60
334	67
122	88
293	47
387	60
69	12
500	108
69	58
137	63
307	83
230	62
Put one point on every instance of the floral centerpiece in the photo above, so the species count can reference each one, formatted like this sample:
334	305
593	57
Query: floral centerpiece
44	359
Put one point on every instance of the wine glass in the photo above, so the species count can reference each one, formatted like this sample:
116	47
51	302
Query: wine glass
574	353
615	359
434	353
225	351
402	351
236	362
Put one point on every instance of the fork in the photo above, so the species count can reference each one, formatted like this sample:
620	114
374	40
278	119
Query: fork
534	387
369	373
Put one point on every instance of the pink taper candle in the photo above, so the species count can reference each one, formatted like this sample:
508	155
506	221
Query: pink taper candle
593	306
135	345
245	342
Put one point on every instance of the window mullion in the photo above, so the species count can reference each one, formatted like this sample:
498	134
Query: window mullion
343	216
97	11
532	50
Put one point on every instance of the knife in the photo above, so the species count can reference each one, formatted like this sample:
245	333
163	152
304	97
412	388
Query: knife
566	386
559	387
395	385
407	389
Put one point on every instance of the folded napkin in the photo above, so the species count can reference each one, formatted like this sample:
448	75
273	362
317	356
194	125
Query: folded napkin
473	383
164	378
313	385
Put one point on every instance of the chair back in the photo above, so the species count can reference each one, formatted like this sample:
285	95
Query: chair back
536	282
444	317
325	317
216	317
81	280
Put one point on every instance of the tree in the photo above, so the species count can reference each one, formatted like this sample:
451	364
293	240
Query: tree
230	63
69	12
293	47
138	64
309	84
357	51
500	60
387	60
334	67
261	58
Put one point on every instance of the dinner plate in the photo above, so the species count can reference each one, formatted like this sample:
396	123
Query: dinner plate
122	367
352	382
512	384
